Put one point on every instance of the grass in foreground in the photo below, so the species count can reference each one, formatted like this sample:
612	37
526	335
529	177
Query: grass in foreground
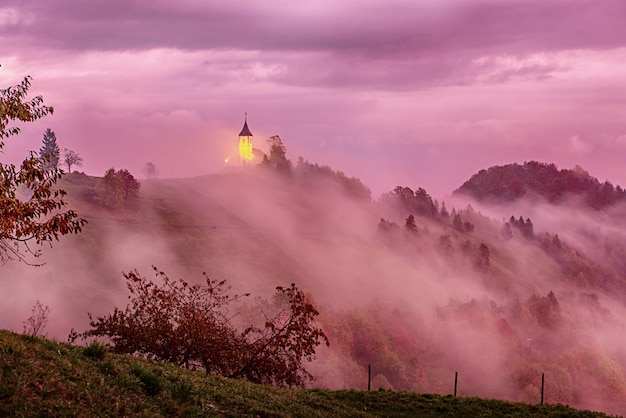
40	377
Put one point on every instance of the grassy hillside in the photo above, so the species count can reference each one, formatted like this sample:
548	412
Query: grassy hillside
41	377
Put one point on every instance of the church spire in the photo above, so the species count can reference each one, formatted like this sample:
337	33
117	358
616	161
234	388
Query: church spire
245	131
245	142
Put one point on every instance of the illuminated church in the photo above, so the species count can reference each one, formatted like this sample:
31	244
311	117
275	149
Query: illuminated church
247	153
245	143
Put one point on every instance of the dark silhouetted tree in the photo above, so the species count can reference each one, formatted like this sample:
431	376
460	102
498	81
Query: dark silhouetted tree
150	170
529	228
525	227
444	212
117	186
405	199
49	151
131	185
71	158
387	226
278	155
462	226
112	191
482	259
410	224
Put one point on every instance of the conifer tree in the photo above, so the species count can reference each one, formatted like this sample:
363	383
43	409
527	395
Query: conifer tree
50	151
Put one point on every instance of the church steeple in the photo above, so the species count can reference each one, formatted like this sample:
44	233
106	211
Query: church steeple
245	142
245	131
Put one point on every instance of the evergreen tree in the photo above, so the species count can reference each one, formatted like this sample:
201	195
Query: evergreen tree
410	224
444	211
482	262
50	151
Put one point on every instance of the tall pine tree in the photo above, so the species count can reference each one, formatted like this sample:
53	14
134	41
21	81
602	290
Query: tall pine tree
50	151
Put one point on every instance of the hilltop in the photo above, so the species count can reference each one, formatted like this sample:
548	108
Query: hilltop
511	182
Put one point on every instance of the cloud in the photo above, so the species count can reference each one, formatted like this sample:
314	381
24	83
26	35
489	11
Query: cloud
383	30
578	146
620	141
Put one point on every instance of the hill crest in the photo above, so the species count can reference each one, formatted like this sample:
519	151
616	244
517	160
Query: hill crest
508	183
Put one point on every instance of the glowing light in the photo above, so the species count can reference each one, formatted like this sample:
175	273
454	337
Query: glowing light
245	148
226	160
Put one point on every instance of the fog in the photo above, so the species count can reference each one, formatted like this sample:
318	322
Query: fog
415	310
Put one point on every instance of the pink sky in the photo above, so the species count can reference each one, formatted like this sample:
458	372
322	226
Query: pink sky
414	93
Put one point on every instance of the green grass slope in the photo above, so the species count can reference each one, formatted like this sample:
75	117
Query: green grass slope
41	377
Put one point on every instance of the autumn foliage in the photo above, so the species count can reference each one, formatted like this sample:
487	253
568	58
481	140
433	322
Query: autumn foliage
191	325
30	205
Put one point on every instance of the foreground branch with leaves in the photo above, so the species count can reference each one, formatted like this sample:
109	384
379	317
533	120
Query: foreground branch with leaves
30	206
190	325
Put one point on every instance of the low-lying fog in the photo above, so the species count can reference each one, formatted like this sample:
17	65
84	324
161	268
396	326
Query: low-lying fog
417	306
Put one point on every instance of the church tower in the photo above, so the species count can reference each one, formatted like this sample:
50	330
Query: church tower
245	143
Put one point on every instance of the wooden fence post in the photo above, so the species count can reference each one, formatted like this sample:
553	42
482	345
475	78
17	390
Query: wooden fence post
369	376
456	378
542	386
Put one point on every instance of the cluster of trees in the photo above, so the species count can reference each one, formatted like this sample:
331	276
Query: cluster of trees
31	207
462	226
581	271
352	186
118	186
112	190
525	227
191	325
308	173
277	158
51	153
512	181
386	337
417	202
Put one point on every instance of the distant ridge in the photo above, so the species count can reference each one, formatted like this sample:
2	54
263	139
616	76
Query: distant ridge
510	182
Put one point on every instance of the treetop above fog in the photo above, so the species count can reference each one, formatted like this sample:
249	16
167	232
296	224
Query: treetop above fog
510	182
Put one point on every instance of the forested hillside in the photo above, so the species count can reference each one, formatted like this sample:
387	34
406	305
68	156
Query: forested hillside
513	181
412	287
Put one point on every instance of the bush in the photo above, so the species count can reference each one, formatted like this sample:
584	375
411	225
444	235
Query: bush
189	325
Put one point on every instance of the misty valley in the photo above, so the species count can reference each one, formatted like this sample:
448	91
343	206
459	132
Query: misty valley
521	272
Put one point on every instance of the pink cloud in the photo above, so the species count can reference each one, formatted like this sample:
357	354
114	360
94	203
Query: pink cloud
381	89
